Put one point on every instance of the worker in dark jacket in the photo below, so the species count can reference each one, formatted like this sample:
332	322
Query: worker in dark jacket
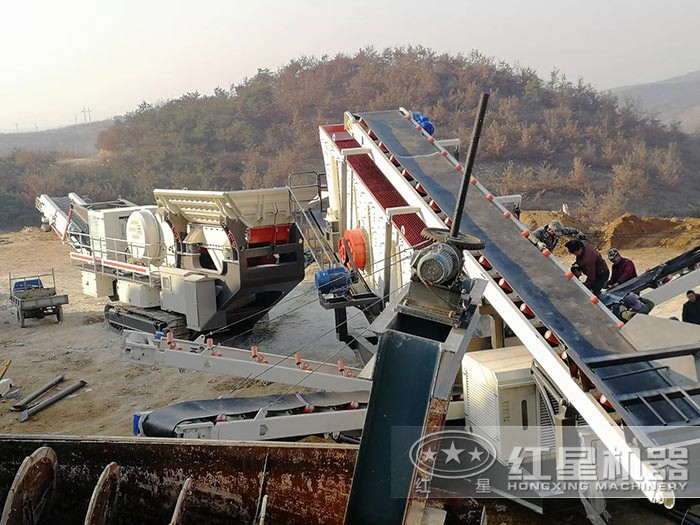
590	263
622	268
691	308
547	237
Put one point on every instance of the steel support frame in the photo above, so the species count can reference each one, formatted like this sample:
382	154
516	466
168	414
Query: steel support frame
389	246
263	428
644	355
236	362
674	287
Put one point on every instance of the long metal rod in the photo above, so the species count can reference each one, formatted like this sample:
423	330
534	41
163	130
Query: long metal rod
4	367
26	414
634	372
21	405
673	405
651	409
644	355
471	156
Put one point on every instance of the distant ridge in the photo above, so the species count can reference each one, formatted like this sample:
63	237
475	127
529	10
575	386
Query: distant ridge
675	99
77	141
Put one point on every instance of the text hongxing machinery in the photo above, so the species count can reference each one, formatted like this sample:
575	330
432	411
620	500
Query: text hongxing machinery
471	324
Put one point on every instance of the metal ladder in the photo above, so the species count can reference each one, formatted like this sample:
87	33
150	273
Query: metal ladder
309	219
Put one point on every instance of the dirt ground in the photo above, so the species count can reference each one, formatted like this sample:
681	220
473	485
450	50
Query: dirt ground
83	348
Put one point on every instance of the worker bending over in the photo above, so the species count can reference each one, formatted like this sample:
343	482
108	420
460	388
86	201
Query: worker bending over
590	263
547	237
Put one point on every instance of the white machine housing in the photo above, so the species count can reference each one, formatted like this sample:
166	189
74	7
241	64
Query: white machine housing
502	402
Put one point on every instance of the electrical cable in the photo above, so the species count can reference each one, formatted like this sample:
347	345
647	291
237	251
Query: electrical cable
289	356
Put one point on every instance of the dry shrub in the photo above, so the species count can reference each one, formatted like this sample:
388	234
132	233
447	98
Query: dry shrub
669	164
578	177
630	180
494	141
511	181
597	210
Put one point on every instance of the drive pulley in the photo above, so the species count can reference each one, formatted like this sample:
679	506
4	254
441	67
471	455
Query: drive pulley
461	241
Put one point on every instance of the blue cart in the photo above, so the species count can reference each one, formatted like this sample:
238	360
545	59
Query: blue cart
32	299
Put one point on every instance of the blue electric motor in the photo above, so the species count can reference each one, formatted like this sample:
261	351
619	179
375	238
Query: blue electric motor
333	280
424	121
427	125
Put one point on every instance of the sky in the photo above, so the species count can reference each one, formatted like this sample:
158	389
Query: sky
74	60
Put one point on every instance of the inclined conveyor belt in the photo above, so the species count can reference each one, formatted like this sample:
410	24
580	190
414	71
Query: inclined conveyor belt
64	204
642	392
650	278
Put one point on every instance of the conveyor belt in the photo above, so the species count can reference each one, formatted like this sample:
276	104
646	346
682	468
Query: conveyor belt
64	204
650	278
163	421
641	392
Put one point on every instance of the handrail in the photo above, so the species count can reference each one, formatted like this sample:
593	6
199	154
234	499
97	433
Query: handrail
97	253
309	223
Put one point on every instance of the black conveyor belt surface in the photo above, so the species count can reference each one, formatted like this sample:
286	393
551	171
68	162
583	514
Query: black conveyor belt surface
64	204
562	305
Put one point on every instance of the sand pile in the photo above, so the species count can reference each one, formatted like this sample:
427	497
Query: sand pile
631	231
536	218
627	231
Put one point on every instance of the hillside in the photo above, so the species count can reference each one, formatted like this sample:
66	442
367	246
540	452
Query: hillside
673	100
78	141
549	139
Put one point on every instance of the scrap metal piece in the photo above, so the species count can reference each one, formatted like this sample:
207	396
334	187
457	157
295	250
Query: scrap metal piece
179	512
4	366
32	489
22	405
103	502
26	414
5	387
